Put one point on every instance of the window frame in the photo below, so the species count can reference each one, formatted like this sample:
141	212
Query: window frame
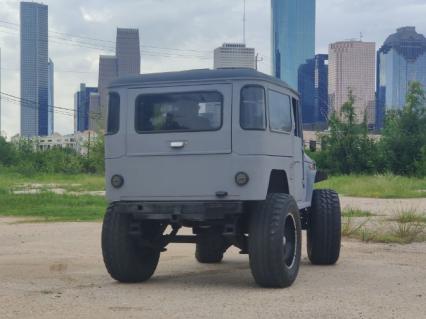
290	131
222	100
297	117
265	107
108	133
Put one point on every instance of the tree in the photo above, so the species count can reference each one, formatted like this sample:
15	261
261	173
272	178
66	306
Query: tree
7	152
403	144
347	147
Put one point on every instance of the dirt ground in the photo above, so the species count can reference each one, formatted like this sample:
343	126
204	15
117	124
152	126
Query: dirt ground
381	206
55	270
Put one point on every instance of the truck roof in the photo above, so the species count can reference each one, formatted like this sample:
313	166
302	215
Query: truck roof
198	75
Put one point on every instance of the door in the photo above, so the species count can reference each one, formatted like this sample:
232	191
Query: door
186	120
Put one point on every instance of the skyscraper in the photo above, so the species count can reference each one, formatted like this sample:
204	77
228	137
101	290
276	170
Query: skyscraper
127	61
107	73
313	88
293	37
51	96
82	106
234	55
94	112
128	52
34	69
400	60
351	67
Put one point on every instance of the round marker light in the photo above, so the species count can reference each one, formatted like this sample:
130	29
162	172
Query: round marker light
241	178
117	181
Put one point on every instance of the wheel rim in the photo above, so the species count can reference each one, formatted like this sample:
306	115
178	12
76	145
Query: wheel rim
290	241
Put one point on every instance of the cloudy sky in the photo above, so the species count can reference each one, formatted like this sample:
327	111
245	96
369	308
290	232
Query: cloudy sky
175	35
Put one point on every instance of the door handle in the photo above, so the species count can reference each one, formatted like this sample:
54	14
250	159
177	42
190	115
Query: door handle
177	144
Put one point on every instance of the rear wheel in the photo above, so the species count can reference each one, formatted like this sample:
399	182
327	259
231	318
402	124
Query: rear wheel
209	249
275	241
324	230
126	258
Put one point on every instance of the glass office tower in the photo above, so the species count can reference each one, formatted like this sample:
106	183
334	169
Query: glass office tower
293	37
82	107
34	69
313	88
401	60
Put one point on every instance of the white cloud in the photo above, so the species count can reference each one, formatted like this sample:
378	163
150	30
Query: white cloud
95	15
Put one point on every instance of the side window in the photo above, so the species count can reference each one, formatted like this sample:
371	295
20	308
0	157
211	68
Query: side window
279	112
298	129
252	108
113	121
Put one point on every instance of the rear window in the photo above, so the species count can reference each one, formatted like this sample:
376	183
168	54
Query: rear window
178	112
113	122
252	108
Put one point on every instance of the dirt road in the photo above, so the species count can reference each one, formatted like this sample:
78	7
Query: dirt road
56	271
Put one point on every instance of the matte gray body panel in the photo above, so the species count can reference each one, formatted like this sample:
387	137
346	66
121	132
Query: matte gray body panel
155	171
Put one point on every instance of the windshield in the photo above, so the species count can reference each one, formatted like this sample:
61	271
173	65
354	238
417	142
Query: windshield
178	112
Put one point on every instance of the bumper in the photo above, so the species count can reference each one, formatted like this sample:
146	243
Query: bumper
181	211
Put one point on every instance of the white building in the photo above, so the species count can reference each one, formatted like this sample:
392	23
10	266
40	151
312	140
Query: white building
352	67
78	141
234	55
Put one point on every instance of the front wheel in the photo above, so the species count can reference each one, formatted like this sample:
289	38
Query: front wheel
125	258
324	230
275	241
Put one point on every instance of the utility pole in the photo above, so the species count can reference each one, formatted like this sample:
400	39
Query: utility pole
244	23
258	59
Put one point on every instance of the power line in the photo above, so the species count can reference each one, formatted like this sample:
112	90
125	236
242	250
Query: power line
60	40
51	108
110	41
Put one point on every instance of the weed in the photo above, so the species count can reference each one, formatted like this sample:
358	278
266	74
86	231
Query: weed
349	228
409	216
356	213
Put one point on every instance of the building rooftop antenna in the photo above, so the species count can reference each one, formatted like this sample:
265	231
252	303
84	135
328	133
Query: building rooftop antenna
244	23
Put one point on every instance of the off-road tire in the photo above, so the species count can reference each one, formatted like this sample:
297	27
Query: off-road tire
125	260
209	250
324	229
268	258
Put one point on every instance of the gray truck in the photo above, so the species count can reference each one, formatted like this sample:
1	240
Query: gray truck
220	152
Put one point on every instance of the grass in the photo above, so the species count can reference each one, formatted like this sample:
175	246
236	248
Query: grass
48	206
71	183
350	228
377	186
409	216
406	227
356	213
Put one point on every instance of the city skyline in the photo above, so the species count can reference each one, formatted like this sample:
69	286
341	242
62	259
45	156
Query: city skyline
187	28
